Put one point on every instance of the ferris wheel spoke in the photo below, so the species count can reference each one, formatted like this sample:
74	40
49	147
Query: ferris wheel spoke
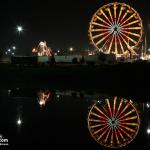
98	30
120	134
117	137
112	137
95	120
135	42
120	13
108	9
128	119
108	103
130	112
115	8
120	105
128	19
114	111
125	133
105	16
108	133
127	106
123	17
126	43
101	129
101	112
100	25
98	125
101	135
110	46
127	128
131	33
129	124
116	44
102	20
132	28
96	115
106	42
131	23
99	35
120	42
101	40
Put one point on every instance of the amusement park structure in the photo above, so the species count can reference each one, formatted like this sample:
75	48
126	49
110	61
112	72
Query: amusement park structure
117	28
42	49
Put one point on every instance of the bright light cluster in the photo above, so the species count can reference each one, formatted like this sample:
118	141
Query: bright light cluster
42	49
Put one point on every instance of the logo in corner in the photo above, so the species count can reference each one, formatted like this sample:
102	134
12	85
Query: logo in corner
3	141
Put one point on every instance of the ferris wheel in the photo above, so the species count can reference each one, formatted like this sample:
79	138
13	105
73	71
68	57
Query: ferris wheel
113	122
116	28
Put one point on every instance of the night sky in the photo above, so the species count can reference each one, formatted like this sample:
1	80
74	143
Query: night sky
62	23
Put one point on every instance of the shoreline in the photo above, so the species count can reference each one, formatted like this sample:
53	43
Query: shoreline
122	78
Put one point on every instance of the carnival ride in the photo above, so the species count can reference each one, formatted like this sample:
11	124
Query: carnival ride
42	49
116	28
113	122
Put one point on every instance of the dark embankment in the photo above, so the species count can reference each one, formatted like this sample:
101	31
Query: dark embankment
127	78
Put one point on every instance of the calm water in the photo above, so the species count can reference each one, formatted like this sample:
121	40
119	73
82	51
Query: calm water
55	118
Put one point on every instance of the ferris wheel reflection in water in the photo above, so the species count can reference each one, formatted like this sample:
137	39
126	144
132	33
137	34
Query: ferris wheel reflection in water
113	122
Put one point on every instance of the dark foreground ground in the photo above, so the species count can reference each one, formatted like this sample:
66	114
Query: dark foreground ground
130	79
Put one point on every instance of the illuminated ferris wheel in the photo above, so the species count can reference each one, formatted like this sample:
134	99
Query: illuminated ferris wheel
113	122
116	28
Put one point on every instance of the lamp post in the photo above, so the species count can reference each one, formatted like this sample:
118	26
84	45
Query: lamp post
19	29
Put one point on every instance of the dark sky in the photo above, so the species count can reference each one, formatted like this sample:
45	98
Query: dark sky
62	23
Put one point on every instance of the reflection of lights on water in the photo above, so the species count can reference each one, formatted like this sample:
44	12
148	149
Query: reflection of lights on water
148	131
147	105
9	92
113	122
42	102
58	96
43	97
19	121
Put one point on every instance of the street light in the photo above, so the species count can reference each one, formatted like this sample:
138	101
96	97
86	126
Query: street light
19	121
71	49
148	131
14	47
19	29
